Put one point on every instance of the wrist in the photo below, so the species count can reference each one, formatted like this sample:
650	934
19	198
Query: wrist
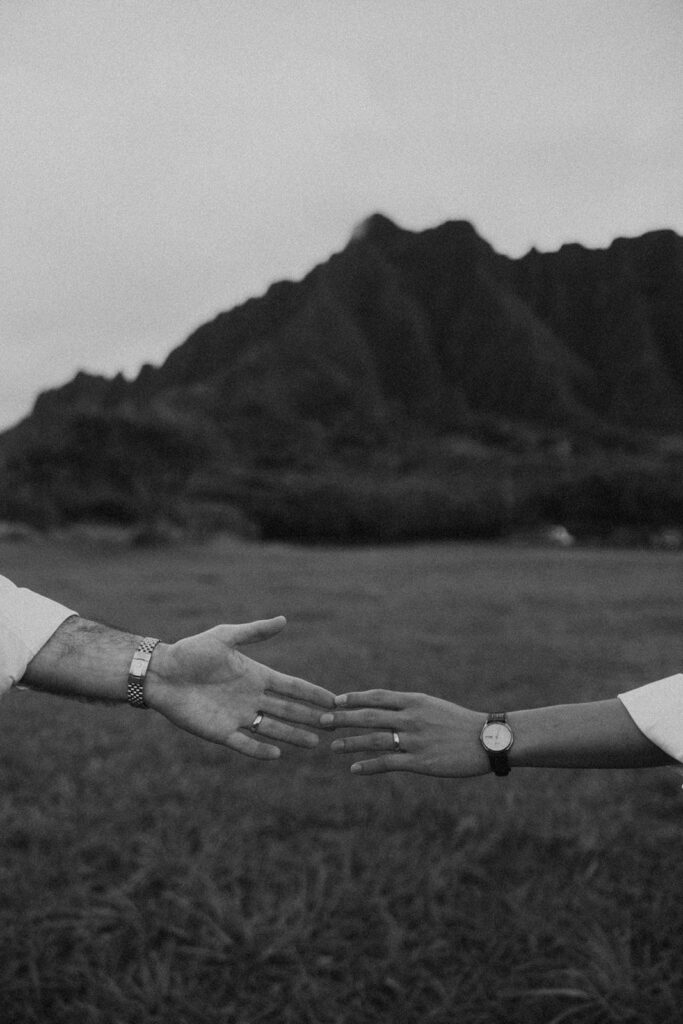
497	738
159	677
480	718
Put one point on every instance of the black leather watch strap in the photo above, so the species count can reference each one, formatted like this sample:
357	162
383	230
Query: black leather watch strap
498	759
499	762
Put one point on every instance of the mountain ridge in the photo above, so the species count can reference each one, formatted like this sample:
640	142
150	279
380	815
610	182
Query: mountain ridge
390	347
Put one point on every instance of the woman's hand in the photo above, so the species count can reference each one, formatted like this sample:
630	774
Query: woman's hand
435	737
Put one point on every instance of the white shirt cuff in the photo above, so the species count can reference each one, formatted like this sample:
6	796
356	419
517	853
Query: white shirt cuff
27	621
657	710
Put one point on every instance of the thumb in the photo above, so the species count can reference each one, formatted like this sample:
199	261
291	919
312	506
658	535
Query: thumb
253	632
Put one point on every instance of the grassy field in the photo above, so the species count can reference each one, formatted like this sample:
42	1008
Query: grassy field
147	877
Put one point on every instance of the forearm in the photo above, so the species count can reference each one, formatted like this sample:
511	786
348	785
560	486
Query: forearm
598	734
202	684
419	733
85	659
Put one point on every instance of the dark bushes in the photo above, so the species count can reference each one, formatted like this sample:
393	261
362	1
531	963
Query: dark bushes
603	503
345	510
105	468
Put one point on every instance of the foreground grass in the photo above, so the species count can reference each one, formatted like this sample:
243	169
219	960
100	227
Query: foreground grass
147	877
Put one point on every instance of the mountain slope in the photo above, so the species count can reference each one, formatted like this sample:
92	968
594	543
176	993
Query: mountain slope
375	364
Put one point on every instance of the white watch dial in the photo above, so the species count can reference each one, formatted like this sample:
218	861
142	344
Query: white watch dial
496	736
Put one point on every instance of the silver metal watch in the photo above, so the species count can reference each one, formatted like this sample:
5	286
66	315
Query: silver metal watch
138	671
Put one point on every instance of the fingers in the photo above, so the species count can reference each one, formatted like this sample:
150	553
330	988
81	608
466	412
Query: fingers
251	747
255	632
285	733
373	699
370	741
290	710
386	763
300	689
365	718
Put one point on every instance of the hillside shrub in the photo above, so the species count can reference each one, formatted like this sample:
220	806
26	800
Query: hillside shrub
605	502
344	510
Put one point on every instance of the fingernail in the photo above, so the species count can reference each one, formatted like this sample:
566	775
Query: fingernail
341	699
327	719
337	745
356	768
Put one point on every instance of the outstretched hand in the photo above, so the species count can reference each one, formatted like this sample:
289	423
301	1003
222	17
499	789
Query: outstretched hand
205	685
435	737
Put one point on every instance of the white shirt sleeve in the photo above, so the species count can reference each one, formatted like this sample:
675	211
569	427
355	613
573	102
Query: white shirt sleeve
657	710
27	621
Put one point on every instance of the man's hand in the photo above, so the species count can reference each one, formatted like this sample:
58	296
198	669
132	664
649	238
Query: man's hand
204	685
435	737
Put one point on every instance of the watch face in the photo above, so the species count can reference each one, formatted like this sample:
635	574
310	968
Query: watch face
496	736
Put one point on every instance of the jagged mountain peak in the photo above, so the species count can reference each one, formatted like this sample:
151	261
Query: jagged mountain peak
376	227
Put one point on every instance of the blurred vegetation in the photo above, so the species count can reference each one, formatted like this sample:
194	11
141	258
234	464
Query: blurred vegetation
101	468
168	476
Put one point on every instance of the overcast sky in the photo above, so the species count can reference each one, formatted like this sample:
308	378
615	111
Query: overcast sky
161	160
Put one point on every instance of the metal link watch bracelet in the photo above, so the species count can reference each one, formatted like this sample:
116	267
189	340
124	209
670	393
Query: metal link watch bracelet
138	671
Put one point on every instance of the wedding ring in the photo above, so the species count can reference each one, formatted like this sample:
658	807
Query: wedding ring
257	721
397	740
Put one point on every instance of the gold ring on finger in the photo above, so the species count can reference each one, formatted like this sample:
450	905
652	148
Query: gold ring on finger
257	721
396	739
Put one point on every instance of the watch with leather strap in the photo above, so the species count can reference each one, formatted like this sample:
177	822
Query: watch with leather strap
496	739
